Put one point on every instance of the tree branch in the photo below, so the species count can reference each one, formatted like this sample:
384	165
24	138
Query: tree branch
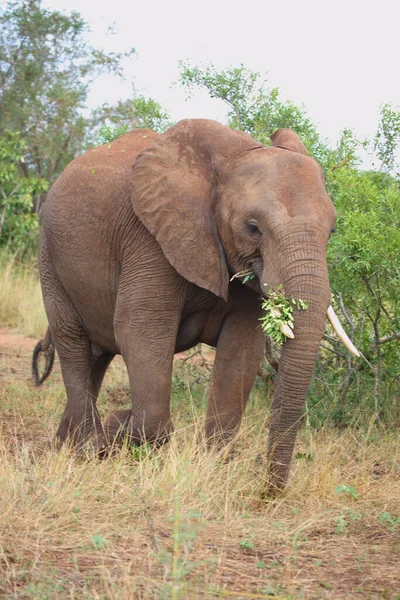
332	350
387	338
345	313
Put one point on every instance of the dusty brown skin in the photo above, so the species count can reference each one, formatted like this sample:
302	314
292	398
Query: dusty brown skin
138	243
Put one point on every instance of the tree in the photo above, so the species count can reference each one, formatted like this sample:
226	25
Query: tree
252	105
136	111
365	271
257	109
387	138
18	224
46	67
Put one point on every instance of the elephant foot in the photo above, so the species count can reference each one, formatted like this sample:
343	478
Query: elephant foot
86	441
118	428
276	481
219	437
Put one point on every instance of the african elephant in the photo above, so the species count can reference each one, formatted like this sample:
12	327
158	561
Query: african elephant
139	241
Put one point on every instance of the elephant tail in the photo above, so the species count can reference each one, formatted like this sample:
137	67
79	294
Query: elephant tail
46	345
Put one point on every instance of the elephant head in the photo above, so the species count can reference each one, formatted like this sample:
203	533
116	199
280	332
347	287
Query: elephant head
219	203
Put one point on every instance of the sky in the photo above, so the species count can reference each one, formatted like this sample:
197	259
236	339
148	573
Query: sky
340	59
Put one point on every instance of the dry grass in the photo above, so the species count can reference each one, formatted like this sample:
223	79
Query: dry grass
21	305
181	522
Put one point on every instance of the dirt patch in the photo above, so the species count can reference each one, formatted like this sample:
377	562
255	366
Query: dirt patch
9	339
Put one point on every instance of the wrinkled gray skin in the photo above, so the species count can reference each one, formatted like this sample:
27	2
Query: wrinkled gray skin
138	242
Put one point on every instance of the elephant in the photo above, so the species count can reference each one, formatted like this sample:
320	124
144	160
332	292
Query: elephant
139	243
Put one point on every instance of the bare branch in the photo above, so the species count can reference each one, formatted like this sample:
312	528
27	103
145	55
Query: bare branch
332	350
331	339
387	338
345	313
341	164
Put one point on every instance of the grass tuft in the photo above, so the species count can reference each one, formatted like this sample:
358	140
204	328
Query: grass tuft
21	304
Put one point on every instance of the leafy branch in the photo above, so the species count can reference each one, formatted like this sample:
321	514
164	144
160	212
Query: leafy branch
278	321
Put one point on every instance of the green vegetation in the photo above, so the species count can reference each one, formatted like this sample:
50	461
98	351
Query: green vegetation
137	111
46	70
252	105
18	222
108	133
278	321
47	67
364	261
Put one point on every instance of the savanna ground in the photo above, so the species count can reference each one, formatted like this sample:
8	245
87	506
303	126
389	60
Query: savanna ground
181	522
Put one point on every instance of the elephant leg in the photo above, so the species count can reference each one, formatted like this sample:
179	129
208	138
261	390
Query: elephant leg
83	372
83	366
147	345
150	384
240	349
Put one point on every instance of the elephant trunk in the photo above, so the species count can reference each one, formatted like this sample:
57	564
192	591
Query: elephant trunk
305	278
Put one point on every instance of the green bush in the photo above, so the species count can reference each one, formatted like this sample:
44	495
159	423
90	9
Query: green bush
18	223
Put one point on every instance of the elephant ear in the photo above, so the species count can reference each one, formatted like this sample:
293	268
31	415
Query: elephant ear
288	140
174	194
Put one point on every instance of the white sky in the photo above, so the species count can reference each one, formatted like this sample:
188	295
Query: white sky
341	59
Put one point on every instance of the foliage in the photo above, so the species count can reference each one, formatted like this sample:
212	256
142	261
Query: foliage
364	262
347	489
392	523
18	224
258	109
252	105
278	320
368	247
364	259
387	138
46	67
108	133
136	111
149	114
249	277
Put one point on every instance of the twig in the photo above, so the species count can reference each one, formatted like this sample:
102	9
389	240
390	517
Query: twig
350	370
198	352
342	163
367	361
387	338
345	313
241	274
331	339
271	354
332	350
265	375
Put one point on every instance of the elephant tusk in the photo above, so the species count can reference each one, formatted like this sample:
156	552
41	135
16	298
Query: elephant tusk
285	329
342	335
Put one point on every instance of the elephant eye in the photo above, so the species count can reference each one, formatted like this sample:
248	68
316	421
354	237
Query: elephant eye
252	228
